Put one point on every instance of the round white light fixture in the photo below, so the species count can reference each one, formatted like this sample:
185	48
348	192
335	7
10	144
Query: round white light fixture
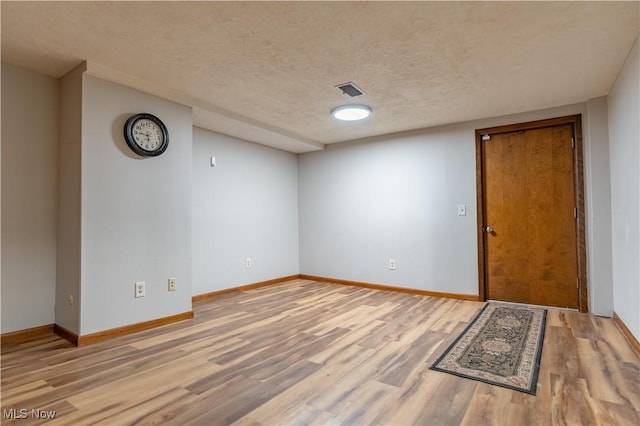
351	112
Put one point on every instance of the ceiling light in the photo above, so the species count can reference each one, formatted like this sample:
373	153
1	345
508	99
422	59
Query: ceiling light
351	112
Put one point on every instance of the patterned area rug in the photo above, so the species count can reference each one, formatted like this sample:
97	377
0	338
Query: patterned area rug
502	346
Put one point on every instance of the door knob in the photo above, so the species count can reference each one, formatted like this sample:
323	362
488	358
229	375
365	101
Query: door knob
488	229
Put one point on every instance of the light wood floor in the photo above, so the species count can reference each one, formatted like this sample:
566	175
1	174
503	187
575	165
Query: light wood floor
312	353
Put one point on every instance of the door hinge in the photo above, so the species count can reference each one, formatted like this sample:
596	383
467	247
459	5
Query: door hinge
575	212
486	137
573	143
578	283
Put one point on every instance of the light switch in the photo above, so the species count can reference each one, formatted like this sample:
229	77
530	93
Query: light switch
213	161
462	210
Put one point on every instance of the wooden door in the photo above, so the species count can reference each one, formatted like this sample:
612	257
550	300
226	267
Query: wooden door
529	210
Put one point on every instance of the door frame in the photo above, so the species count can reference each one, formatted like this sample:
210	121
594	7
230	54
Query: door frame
578	180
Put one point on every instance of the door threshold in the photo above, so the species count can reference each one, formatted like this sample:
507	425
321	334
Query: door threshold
535	306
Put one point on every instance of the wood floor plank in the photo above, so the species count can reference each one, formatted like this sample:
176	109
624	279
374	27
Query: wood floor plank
202	329
534	407
361	374
149	382
287	405
415	395
27	391
491	405
398	371
357	334
303	415
564	362
361	406
599	384
609	332
449	403
135	414
305	352
568	403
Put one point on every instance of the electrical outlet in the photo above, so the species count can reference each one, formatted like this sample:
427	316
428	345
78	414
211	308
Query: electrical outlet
392	264
462	210
248	263
140	290
172	284
70	299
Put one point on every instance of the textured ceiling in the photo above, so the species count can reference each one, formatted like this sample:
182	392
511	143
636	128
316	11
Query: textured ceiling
266	71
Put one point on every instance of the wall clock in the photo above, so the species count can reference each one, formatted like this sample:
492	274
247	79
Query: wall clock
146	135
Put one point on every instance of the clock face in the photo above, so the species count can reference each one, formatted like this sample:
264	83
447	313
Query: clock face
146	135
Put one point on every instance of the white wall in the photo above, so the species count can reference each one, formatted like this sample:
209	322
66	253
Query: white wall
395	197
624	140
29	192
69	202
244	207
598	203
136	212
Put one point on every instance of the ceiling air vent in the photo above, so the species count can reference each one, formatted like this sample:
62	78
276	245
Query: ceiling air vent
350	89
